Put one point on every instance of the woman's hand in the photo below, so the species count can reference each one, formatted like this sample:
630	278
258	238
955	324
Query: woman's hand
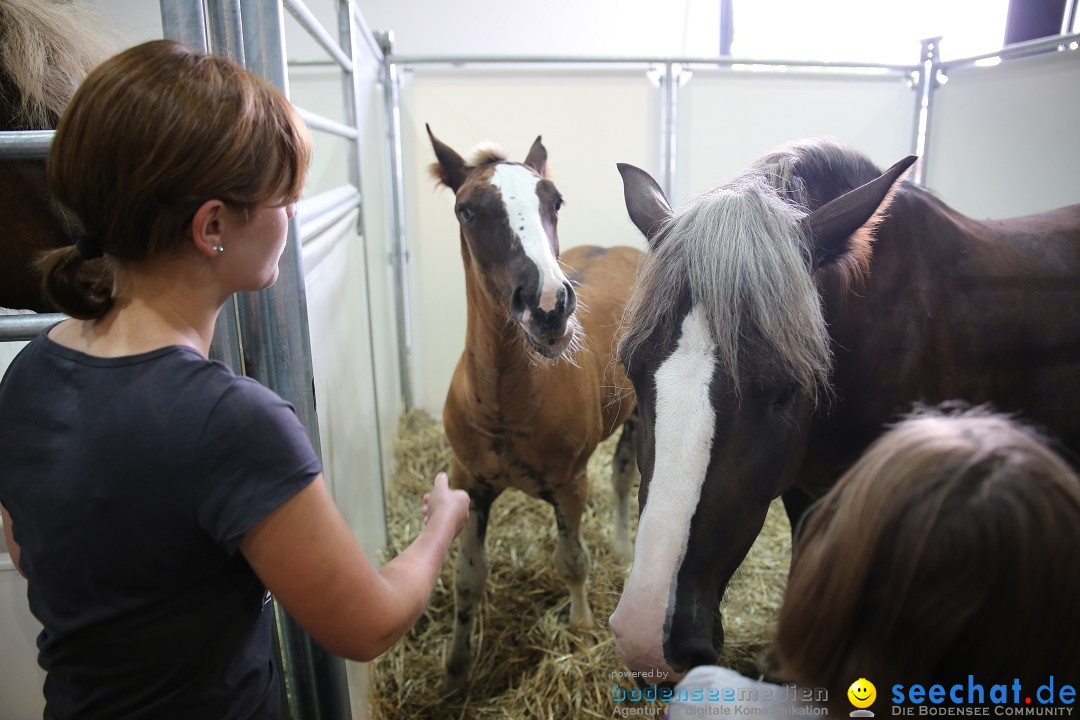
451	506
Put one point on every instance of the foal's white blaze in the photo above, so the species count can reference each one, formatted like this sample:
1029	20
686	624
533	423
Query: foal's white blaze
517	185
683	435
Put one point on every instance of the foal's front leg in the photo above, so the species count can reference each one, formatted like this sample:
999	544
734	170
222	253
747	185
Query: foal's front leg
571	558
470	575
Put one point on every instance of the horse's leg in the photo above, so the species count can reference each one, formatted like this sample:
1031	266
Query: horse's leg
624	471
470	575
571	557
796	502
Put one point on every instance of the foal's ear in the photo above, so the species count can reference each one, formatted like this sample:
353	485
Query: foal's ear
832	225
537	158
451	168
648	206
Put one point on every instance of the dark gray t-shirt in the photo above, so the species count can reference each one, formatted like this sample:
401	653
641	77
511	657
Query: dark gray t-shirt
130	483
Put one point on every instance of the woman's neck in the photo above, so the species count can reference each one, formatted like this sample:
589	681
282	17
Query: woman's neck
155	306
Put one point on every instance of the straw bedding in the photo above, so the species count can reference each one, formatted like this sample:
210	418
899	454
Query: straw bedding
528	663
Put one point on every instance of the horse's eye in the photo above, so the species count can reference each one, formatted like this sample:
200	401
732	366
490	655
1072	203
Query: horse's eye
466	214
786	396
558	204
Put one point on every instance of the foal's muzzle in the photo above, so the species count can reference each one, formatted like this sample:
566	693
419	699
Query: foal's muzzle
548	331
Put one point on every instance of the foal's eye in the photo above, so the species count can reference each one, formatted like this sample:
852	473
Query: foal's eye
786	396
466	214
558	204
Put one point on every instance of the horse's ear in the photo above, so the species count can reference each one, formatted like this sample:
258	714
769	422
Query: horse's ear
648	206
451	168
832	225
537	158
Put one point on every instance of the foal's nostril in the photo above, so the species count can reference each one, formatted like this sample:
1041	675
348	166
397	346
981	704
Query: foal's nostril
571	298
517	302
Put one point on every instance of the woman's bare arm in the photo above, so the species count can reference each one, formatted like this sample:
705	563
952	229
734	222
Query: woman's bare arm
306	555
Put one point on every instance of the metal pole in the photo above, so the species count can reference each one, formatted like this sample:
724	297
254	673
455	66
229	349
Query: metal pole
25	144
1055	43
859	68
928	68
669	129
184	21
307	19
727	26
400	252
349	33
226	29
27	326
277	352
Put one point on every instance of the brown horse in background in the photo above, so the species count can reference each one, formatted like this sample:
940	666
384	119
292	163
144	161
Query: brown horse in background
46	48
537	387
779	322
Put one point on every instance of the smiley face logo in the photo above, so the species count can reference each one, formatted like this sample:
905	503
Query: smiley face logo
862	693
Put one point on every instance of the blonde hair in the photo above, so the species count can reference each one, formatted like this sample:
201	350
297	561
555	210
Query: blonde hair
950	548
46	48
151	134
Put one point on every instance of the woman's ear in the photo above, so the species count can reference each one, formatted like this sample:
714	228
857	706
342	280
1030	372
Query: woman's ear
208	228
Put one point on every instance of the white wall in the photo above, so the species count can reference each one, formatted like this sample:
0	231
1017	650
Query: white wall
729	119
517	27
1004	140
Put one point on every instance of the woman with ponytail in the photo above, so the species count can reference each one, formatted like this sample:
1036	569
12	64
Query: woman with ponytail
150	496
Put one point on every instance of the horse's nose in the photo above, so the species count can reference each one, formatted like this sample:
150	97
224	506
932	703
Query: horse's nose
694	652
688	648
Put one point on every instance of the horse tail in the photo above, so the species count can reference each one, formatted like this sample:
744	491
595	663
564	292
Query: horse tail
47	47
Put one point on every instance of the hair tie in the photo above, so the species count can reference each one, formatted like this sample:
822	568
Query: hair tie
86	246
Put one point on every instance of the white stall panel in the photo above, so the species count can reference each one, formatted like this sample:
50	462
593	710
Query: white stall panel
589	121
21	678
729	119
1005	140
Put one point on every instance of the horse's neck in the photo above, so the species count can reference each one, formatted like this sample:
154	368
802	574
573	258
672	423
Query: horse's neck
494	353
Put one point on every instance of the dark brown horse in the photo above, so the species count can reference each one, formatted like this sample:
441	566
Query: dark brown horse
537	387
46	48
780	321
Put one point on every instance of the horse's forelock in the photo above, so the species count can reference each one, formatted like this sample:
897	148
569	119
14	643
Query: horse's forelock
46	49
487	153
741	254
794	167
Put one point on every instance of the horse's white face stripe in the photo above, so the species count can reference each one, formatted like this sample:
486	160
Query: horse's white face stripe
683	435
517	185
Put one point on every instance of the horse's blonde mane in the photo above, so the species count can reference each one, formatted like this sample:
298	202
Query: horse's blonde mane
46	49
741	253
487	153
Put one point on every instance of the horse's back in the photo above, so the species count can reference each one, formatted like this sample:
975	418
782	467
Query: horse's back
603	278
983	311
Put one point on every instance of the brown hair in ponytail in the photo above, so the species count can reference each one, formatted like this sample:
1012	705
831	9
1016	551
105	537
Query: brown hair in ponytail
150	135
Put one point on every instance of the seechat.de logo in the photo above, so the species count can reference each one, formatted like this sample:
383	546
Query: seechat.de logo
862	695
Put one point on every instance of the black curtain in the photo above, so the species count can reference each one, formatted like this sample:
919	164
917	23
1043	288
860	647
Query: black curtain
1031	19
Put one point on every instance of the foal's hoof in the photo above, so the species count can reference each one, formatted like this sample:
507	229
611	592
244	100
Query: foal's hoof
583	622
622	552
454	684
